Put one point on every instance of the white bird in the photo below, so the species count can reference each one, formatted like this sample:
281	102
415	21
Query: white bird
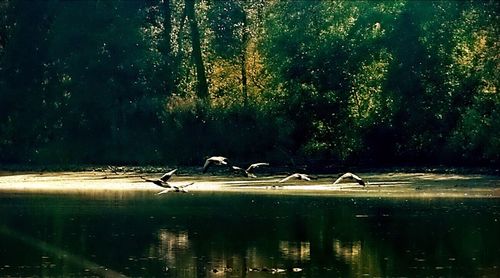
215	160
248	172
175	188
162	181
298	176
350	176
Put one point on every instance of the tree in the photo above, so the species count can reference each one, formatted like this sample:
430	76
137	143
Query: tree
201	79
25	75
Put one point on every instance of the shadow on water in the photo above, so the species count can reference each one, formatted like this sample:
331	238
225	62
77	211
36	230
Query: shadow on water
205	234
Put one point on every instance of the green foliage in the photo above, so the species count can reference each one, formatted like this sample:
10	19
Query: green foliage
477	135
227	22
172	81
386	71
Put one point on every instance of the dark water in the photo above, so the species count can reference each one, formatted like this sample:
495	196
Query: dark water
237	235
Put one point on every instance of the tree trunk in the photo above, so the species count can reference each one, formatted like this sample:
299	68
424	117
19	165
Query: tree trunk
201	84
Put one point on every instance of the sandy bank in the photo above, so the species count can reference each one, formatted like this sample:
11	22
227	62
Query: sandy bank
418	185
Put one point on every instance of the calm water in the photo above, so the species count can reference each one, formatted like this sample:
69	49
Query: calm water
253	235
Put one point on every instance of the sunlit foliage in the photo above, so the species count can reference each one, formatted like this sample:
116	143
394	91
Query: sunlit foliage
397	82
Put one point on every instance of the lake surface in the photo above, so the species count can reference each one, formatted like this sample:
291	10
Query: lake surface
234	234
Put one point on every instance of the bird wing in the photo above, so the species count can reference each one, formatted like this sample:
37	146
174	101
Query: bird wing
358	179
289	177
181	188
285	179
339	179
349	175
237	168
163	191
167	175
256	165
186	185
214	159
220	159
353	176
344	176
207	164
304	177
158	182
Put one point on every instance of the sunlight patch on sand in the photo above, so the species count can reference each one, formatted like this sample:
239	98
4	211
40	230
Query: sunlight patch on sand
379	184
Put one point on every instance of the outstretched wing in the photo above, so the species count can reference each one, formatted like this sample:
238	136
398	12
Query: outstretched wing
236	168
358	179
214	160
207	164
163	191
339	179
219	159
186	185
182	188
292	176
350	176
256	165
344	176
304	177
168	175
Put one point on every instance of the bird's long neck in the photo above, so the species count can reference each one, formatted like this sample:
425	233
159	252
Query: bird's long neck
146	179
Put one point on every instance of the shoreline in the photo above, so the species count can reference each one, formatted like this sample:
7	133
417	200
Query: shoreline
275	169
383	185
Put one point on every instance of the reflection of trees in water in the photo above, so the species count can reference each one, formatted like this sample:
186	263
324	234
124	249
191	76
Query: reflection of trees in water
325	237
348	252
297	251
361	258
279	240
170	242
173	249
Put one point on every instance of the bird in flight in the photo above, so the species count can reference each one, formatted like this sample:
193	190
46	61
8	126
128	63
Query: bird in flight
162	181
297	176
350	176
248	172
214	160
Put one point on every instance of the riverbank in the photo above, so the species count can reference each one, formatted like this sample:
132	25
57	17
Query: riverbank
387	184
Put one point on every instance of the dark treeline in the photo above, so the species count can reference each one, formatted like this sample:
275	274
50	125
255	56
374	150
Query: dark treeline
169	82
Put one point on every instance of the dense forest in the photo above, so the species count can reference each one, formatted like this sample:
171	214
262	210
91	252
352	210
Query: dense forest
169	82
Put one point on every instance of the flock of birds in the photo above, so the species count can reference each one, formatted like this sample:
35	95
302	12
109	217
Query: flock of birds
248	172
